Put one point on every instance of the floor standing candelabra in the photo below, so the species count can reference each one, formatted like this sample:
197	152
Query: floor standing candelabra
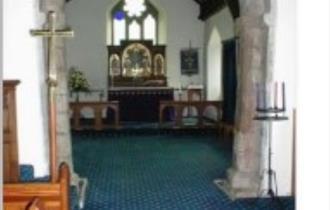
270	112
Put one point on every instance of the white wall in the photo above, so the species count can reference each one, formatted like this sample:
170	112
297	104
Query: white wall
23	60
223	23
214	67
285	70
218	28
88	49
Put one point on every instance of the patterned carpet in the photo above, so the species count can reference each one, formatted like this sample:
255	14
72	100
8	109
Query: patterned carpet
147	172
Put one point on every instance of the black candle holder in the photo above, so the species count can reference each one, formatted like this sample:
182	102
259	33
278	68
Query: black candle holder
269	114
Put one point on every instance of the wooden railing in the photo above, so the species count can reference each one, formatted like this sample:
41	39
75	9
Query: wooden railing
97	107
180	106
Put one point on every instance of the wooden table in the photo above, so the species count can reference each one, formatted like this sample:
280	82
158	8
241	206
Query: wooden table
97	107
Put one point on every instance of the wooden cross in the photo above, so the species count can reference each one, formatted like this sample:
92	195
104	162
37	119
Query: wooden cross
52	34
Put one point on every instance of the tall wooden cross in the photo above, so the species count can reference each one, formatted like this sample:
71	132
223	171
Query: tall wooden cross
52	34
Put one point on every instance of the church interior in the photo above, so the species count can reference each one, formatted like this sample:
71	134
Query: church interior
149	104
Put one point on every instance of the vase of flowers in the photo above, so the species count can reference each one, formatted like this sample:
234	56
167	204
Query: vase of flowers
77	82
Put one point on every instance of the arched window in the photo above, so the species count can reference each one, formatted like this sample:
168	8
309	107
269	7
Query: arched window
134	20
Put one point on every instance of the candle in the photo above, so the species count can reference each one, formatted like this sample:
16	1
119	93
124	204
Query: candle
283	96
258	96
275	92
264	96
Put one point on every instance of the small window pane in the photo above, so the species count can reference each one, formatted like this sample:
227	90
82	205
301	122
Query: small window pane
119	27
150	28
134	30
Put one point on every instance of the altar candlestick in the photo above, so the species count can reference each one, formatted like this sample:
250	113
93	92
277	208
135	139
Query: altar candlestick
275	92
283	95
264	95
258	96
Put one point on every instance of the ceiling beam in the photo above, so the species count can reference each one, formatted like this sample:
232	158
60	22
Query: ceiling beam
210	7
233	7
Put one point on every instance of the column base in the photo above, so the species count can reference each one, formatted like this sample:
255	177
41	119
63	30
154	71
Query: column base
82	187
239	184
80	184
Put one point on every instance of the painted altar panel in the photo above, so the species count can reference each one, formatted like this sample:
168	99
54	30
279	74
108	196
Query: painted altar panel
136	63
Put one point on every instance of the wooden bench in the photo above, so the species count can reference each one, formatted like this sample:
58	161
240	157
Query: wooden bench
97	108
52	195
36	204
10	142
179	107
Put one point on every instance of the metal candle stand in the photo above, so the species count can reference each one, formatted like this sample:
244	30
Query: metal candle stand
270	114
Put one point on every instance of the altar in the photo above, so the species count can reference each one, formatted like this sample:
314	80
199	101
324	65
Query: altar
137	79
140	104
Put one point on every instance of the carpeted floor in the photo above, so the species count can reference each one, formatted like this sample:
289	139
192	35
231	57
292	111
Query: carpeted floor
147	172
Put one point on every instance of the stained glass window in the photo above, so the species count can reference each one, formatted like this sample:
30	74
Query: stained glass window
134	30
134	19
120	27
134	7
149	29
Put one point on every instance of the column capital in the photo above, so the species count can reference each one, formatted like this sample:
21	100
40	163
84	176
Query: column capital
52	5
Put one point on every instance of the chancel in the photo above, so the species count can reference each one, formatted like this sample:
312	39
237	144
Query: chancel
155	104
137	63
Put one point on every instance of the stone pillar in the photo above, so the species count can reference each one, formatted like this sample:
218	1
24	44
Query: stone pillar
244	177
63	126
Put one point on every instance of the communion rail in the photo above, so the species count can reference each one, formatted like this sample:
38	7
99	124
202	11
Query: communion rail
97	107
200	107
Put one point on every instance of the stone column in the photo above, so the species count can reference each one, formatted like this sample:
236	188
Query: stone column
243	178
63	126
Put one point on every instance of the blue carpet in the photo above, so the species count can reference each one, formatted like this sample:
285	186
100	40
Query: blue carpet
157	172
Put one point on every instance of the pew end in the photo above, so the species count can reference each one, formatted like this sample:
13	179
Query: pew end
49	196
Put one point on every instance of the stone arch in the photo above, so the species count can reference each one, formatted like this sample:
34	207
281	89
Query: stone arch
253	33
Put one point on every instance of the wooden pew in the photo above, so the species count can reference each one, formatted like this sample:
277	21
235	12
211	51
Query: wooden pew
97	108
53	195
36	204
179	107
10	144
